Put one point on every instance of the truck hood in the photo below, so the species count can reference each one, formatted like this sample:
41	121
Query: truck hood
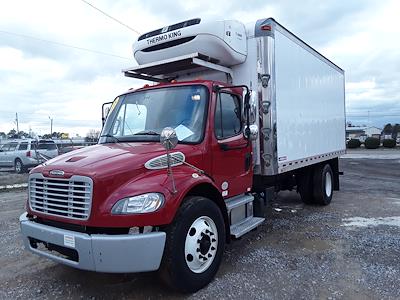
117	171
105	159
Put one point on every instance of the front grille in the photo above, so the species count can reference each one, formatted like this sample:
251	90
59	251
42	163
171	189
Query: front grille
69	198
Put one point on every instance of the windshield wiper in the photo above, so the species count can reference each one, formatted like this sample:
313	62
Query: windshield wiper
146	132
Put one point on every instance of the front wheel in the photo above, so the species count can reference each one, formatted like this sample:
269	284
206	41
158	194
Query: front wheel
194	246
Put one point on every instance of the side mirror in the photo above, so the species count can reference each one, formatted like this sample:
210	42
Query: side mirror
105	109
168	138
251	132
247	98
250	99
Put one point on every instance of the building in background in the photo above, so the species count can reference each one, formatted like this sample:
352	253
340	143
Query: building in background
362	132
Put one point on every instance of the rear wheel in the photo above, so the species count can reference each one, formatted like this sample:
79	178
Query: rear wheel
323	184
194	246
19	166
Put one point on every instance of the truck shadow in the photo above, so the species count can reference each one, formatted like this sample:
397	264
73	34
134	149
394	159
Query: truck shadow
92	285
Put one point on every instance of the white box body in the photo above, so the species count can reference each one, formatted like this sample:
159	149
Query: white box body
305	120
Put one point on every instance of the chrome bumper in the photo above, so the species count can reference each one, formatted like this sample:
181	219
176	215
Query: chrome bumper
124	253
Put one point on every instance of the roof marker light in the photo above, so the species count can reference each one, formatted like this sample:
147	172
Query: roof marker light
266	27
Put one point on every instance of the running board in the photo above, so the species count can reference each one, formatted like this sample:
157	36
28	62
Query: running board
237	201
248	224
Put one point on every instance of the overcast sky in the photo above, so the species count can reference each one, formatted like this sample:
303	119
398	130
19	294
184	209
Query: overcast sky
39	79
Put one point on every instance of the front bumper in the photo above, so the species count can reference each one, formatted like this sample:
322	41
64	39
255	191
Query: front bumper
124	253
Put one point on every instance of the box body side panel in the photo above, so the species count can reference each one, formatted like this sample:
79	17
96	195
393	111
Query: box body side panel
310	112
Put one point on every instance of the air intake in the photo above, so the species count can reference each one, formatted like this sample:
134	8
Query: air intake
160	162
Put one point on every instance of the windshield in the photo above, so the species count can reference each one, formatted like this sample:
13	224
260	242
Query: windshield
141	116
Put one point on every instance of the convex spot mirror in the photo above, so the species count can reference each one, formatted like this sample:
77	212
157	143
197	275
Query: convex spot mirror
168	138
251	133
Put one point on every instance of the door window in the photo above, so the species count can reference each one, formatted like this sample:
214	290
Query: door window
12	146
227	116
5	147
23	146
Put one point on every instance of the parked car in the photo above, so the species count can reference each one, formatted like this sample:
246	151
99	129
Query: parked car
24	154
47	149
20	154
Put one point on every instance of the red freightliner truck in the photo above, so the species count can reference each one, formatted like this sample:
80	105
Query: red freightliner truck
184	165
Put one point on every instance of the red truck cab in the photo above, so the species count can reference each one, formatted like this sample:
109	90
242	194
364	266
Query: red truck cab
114	207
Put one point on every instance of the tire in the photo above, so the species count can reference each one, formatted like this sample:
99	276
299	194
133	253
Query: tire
194	246
19	166
323	184
305	186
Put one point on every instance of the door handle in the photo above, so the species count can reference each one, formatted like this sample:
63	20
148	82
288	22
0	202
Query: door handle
227	147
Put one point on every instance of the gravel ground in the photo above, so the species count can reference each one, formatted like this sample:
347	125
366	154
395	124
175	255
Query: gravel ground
7	177
380	153
348	250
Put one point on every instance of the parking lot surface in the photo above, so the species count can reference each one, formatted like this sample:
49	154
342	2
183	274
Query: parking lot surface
348	250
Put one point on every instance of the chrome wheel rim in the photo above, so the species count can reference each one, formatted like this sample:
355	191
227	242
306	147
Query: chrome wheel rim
328	184
201	244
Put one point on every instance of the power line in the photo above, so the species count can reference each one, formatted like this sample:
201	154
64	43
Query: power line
111	17
62	44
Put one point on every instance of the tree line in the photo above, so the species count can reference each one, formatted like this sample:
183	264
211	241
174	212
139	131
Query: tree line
392	130
92	136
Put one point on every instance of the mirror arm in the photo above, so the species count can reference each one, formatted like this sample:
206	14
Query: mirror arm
170	174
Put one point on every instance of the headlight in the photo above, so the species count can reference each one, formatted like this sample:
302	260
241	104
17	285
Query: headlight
141	204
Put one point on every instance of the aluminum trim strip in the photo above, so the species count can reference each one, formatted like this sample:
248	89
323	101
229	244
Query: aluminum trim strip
296	164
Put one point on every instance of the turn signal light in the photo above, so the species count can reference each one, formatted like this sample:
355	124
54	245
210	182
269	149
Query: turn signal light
28	154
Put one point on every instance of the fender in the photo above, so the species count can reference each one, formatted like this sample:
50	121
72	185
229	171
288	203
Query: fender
186	179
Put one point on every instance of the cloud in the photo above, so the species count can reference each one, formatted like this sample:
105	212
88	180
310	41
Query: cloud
41	79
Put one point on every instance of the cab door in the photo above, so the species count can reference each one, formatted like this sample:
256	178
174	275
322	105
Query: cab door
232	157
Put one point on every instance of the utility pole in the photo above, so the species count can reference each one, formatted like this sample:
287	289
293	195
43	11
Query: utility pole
16	121
51	127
